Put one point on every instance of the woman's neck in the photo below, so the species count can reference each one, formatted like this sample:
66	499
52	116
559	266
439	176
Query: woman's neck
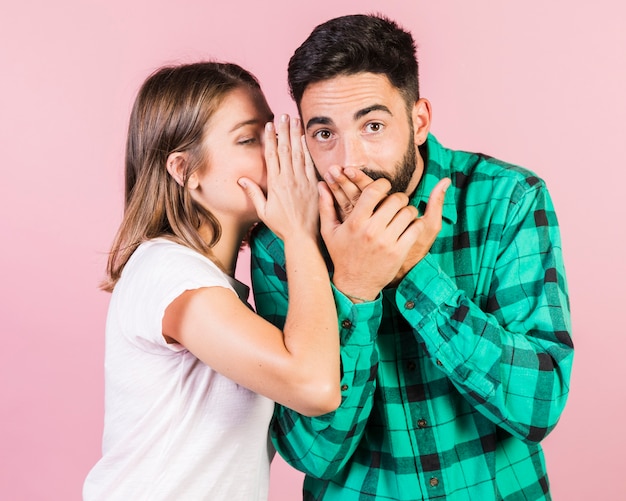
226	250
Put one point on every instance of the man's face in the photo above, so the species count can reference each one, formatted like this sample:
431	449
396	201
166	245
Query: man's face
361	121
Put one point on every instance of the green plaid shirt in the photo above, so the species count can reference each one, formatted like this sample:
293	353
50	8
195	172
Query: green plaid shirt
451	380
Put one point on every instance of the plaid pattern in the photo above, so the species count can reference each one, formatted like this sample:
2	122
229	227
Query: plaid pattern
451	380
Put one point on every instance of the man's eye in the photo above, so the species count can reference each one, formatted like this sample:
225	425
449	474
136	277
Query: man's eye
322	135
374	127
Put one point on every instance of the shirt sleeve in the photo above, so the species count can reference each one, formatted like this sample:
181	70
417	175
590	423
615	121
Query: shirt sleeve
158	273
509	353
321	446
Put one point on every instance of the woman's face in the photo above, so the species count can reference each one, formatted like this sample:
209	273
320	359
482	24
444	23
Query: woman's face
234	147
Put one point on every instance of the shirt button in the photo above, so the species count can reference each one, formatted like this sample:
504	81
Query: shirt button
346	324
439	363
410	366
409	305
421	423
434	482
344	387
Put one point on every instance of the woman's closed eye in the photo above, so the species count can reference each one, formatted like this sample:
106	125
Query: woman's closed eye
248	140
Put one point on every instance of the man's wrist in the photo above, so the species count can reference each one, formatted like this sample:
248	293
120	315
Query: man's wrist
356	299
356	294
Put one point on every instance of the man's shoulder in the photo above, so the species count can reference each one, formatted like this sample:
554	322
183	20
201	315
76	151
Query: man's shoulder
264	242
476	167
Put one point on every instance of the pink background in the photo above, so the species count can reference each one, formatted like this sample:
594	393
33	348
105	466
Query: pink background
541	84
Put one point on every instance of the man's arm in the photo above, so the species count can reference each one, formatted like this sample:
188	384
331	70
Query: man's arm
320	446
367	250
510	355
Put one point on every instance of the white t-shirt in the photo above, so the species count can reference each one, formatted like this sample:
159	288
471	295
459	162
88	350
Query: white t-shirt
174	429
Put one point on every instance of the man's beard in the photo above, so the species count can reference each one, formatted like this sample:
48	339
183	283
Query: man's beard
404	170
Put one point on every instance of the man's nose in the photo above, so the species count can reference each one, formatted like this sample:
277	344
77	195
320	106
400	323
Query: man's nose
354	154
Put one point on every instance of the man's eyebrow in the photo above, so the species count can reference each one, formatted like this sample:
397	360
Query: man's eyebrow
318	121
359	114
369	109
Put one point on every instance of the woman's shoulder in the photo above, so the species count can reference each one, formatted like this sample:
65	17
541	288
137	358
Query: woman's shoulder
161	259
172	253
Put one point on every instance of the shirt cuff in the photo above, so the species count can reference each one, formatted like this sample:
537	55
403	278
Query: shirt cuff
424	289
358	322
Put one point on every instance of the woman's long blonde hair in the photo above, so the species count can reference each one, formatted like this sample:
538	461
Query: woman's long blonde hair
169	115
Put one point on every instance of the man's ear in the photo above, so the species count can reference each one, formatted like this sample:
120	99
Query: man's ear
176	166
422	116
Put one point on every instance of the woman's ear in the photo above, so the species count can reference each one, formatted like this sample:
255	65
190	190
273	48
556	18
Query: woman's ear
421	116
176	166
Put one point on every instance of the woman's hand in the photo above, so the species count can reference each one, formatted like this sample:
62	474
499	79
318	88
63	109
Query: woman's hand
290	206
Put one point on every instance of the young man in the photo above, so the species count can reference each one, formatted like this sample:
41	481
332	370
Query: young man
455	328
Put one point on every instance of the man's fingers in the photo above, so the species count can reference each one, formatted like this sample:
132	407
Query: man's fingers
373	194
429	224
348	195
402	220
342	198
434	208
358	177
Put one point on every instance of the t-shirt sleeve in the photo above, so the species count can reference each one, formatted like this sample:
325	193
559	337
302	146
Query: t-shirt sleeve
155	275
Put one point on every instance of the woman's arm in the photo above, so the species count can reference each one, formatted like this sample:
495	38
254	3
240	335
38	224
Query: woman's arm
299	366
299	369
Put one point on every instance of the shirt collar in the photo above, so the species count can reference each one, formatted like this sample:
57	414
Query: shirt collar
242	290
437	161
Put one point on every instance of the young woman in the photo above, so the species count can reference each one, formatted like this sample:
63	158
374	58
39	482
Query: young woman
191	371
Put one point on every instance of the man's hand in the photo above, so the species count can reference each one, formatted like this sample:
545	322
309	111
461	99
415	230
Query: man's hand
369	247
427	227
374	239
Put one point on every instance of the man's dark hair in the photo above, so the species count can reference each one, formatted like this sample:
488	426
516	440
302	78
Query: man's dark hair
354	44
